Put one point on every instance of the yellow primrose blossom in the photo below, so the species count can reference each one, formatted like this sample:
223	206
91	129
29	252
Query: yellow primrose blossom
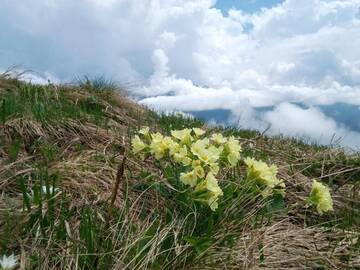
209	184
198	147
233	158
213	185
159	145
183	135
213	202
137	144
181	156
209	191
144	131
206	154
174	148
214	153
320	196
195	163
265	174
233	149
214	168
157	137
198	131
189	178
199	171
233	145
218	138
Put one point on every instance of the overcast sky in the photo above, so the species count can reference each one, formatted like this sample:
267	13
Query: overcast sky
291	57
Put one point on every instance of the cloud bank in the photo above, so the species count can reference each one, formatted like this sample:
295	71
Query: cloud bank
187	55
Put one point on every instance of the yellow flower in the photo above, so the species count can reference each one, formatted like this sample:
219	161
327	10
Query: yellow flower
233	158
213	202
168	142
320	196
159	145
209	184
208	191
183	135
214	153
181	156
157	137
189	178
218	138
199	171
199	146
137	144
195	163
198	131
174	147
213	185
214	168
206	154
144	131
233	145
263	173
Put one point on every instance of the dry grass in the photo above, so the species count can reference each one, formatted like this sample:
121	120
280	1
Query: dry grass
83	155
284	245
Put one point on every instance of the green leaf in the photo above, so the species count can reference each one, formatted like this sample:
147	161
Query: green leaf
199	244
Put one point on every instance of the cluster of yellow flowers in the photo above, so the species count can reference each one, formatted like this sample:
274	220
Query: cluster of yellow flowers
202	157
320	197
265	175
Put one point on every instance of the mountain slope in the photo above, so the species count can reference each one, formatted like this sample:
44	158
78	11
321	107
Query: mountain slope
65	148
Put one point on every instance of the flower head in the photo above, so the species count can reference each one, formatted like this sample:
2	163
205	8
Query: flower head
160	144
208	191
214	168
181	156
218	138
174	147
195	163
144	131
184	135
213	202
189	178
233	145
137	144
198	132
233	149
199	171
263	173
212	184
198	147
207	154
233	158
320	197
8	263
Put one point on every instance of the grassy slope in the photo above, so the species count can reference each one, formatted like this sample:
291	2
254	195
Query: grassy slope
74	138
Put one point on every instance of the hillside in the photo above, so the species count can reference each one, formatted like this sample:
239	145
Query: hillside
73	195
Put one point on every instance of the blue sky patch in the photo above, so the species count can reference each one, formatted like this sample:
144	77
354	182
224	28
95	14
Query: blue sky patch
249	6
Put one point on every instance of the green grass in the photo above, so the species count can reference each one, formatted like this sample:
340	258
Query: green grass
48	103
60	151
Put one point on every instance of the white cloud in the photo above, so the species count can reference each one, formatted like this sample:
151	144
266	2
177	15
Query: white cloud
188	56
309	123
